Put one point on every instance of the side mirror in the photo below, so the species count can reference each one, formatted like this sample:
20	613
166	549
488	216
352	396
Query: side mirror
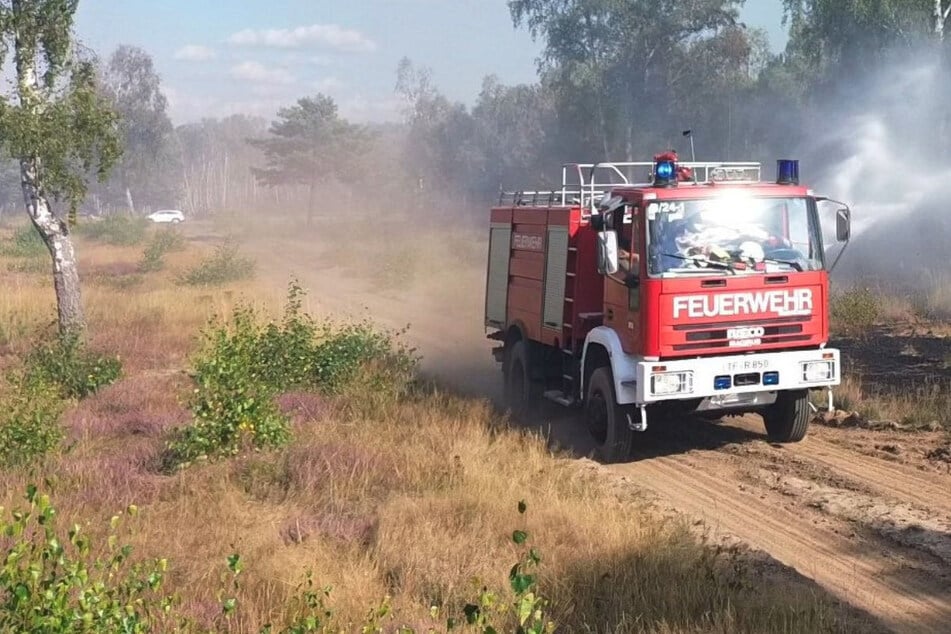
607	252
843	224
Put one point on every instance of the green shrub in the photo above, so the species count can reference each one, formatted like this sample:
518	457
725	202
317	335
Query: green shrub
67	364
854	310
52	583
244	363
301	353
29	421
25	243
233	406
225	265
161	243
116	230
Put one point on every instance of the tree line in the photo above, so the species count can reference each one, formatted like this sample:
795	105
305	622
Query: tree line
617	80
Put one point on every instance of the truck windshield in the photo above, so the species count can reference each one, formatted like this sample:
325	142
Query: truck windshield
733	235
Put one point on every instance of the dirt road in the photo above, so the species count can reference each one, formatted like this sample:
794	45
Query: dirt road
865	514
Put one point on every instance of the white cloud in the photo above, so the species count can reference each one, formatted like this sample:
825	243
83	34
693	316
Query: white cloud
329	36
327	84
195	53
260	74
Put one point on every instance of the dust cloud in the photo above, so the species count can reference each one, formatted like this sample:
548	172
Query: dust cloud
407	265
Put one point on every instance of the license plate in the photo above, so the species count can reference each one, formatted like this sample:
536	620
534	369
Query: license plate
750	365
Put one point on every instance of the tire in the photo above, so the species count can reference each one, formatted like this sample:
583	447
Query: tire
787	420
606	420
521	393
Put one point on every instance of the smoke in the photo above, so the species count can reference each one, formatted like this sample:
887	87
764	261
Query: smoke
883	149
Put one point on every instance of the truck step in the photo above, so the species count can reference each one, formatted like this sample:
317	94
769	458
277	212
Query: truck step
559	397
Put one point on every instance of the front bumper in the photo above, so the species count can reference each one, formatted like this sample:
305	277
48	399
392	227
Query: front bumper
656	381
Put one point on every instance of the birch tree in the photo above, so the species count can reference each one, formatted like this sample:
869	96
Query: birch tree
148	170
942	10
54	123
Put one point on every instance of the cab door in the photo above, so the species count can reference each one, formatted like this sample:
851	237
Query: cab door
622	296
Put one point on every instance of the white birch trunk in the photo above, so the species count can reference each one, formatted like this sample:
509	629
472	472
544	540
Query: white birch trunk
129	201
56	236
53	230
938	20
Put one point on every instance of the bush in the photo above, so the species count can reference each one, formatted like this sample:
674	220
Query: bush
29	421
854	310
51	583
233	406
244	364
225	265
161	243
116	230
66	364
25	243
301	353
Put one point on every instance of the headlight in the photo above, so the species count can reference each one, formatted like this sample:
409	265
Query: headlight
817	371
671	383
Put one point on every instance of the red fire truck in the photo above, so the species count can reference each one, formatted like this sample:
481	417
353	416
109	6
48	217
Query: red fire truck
649	289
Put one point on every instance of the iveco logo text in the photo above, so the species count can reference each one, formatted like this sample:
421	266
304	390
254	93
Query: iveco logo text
784	303
527	242
745	333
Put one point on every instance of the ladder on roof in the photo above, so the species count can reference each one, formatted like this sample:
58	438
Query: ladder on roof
584	184
623	173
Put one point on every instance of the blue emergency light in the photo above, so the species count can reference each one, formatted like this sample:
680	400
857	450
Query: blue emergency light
787	172
665	173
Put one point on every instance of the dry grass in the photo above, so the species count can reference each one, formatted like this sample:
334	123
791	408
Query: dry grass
416	502
926	406
897	337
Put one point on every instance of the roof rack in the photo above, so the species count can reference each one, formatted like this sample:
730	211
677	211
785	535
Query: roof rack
585	183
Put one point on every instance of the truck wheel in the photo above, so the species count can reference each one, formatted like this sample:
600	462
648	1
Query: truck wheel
787	420
521	394
606	420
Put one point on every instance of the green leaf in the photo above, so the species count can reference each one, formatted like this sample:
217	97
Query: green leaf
235	564
519	537
521	583
525	607
522	507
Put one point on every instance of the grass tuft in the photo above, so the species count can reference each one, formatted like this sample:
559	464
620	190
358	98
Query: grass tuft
223	266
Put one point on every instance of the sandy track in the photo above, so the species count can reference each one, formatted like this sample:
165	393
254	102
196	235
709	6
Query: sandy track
815	507
894	480
829	533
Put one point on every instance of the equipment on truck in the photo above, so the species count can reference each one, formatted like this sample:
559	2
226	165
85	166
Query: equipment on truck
641	289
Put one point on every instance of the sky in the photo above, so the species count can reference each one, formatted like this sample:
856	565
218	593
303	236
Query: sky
220	57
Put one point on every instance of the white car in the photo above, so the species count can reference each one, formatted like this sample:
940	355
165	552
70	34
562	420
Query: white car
167	215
